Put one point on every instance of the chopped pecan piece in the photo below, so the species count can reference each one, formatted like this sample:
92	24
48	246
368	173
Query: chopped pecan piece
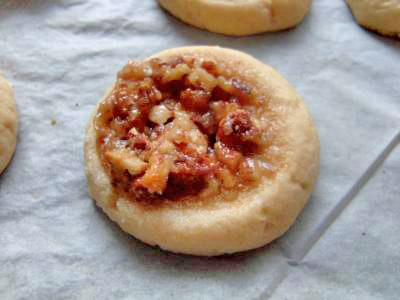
235	87
156	176
133	71
125	160
175	73
222	109
228	156
160	114
137	140
195	100
200	78
249	170
206	122
238	126
211	67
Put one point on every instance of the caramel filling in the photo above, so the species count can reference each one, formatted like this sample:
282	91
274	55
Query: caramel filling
182	129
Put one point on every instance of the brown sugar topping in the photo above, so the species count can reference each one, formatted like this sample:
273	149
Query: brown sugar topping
181	129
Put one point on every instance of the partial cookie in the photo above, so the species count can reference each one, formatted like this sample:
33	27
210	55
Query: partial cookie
382	16
201	150
8	123
239	17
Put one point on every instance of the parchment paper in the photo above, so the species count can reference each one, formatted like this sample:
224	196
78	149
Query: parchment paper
62	55
359	256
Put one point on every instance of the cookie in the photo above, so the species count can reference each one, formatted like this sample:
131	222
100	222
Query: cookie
377	15
201	150
239	17
8	123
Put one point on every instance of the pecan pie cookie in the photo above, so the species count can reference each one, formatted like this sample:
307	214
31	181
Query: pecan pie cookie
239	17
201	150
8	123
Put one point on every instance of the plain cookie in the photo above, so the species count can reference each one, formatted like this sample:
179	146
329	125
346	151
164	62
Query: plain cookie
201	150
382	16
8	123
239	17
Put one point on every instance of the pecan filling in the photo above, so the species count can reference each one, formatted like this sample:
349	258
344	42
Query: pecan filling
181	129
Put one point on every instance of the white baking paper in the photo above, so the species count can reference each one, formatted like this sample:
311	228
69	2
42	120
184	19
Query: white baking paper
359	256
62	55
